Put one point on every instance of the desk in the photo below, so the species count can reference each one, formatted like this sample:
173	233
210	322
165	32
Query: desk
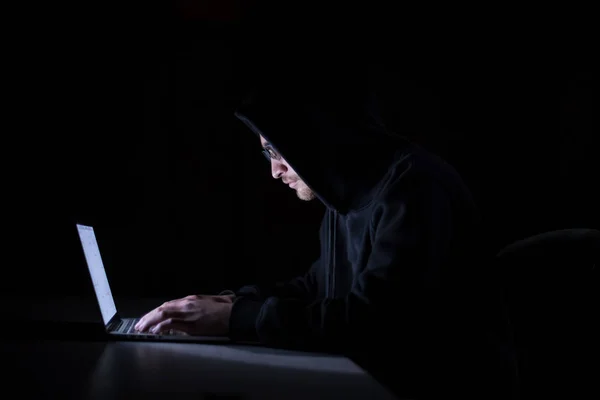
78	369
115	370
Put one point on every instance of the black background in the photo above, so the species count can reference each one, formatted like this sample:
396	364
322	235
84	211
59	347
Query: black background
122	118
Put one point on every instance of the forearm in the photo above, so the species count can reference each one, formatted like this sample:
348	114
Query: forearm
302	288
331	325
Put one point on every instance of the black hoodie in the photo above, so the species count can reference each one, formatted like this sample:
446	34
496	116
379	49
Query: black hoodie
399	279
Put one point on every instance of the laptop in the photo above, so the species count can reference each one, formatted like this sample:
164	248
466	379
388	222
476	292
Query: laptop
114	325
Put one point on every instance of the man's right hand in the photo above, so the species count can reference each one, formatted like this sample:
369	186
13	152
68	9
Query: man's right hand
193	315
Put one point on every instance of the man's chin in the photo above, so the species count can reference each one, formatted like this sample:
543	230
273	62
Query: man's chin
305	194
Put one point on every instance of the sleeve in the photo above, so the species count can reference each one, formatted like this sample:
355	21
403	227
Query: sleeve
410	236
249	300
302	287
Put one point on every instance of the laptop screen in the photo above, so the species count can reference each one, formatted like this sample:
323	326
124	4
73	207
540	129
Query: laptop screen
99	279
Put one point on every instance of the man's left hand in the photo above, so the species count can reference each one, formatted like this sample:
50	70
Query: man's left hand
193	315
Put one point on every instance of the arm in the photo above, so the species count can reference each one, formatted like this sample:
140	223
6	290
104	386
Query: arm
412	235
210	315
302	287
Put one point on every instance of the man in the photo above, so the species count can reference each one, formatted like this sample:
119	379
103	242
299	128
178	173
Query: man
399	285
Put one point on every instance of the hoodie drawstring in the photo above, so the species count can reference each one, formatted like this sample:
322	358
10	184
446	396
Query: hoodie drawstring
332	246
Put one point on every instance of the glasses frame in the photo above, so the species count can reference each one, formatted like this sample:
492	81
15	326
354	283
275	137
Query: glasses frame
271	154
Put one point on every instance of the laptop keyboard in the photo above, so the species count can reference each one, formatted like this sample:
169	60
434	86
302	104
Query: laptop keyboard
128	327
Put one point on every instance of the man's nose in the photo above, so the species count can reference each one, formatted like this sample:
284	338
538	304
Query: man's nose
277	169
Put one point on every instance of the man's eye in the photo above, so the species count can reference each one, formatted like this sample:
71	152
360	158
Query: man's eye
272	153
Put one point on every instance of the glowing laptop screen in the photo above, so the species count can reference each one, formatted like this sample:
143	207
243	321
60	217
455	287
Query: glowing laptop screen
99	278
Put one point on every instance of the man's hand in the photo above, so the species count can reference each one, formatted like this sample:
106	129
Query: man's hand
193	315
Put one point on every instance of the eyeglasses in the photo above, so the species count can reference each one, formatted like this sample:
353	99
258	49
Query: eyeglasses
271	154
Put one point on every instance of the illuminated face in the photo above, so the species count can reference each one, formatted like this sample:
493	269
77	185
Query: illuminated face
281	169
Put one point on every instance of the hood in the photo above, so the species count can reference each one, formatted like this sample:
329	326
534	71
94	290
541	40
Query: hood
330	134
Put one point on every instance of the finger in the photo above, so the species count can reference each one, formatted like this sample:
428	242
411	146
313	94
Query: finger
142	323
174	324
157	316
153	318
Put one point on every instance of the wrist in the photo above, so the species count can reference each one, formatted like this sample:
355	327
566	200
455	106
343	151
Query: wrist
227	317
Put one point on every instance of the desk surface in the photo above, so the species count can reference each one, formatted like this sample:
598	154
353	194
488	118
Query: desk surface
114	370
78	369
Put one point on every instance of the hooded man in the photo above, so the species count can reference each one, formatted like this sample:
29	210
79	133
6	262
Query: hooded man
400	286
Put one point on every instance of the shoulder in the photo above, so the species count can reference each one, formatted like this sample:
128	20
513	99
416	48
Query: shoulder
419	179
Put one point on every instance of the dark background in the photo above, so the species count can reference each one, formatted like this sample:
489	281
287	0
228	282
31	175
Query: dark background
126	123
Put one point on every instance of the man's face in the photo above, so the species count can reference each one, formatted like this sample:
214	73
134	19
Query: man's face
281	169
